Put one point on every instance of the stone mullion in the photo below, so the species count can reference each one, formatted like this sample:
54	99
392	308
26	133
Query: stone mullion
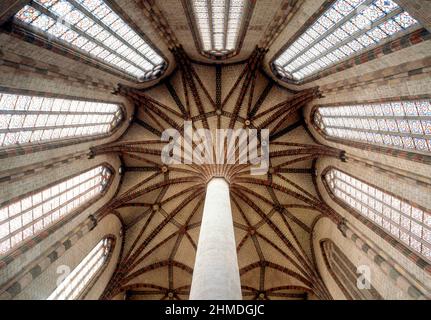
330	31
108	29
348	39
349	275
67	113
403	42
326	248
44	215
344	281
32	271
53	16
79	125
385	218
389	133
370	294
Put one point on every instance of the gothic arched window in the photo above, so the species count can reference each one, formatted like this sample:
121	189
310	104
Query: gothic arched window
345	273
345	29
31	214
81	277
95	29
32	119
220	24
401	124
397	217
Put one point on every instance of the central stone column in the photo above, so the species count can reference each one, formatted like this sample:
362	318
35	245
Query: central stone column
216	273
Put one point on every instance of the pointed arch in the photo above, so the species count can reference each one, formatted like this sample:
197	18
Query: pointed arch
30	218
402	222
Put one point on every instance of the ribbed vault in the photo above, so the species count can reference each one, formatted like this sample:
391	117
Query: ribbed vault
161	206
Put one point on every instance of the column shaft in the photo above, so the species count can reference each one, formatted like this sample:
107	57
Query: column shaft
216	273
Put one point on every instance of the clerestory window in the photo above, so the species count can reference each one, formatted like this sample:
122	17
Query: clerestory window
397	217
400	124
25	218
93	27
347	28
28	119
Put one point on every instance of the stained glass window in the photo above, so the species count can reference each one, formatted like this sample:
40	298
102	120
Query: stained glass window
27	217
219	23
398	217
32	119
92	26
76	282
345	29
402	124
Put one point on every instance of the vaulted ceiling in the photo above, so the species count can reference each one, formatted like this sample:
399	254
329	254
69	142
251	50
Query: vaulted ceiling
162	205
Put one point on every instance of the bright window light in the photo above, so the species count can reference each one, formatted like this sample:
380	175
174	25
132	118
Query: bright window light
402	124
345	29
219	23
92	26
399	218
32	214
32	119
77	281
